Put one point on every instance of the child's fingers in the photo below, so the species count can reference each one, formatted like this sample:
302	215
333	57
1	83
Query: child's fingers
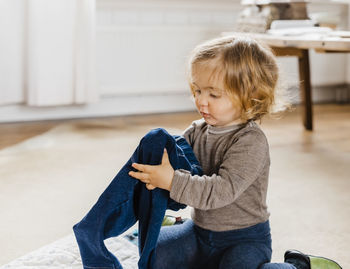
150	187
141	167
140	176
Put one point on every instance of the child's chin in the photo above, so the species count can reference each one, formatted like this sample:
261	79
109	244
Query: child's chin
211	122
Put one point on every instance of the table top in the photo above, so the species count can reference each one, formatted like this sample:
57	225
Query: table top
312	41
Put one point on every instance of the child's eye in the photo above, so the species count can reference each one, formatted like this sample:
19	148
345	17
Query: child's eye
197	91
215	96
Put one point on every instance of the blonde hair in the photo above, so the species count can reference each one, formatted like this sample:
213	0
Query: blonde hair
249	70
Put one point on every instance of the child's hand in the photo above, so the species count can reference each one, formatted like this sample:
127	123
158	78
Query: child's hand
154	176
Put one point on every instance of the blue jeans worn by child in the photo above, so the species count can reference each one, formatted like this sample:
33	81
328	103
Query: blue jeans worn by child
188	246
126	200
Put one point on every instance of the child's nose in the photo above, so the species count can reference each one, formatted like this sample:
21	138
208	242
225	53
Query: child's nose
203	100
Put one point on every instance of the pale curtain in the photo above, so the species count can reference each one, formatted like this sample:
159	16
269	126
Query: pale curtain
11	51
56	47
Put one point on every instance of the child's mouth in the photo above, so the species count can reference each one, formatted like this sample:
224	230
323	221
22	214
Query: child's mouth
205	115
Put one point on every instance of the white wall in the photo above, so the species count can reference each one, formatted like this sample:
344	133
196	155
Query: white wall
147	45
142	48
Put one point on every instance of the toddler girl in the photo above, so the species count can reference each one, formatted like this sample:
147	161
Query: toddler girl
233	81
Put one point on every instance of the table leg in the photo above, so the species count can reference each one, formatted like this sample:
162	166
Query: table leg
305	88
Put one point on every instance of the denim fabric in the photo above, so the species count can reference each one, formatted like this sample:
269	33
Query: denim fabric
126	200
188	246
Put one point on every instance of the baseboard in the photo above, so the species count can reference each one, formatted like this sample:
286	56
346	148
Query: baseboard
339	94
108	106
142	104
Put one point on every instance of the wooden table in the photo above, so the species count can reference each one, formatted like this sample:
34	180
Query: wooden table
299	46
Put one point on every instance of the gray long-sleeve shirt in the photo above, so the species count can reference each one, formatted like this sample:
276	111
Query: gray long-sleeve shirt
235	161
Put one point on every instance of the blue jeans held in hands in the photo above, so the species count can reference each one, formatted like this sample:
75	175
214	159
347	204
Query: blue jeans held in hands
126	200
188	246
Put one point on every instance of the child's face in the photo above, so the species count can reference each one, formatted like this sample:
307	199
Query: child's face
212	101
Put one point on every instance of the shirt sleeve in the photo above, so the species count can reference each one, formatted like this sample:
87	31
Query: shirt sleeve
242	163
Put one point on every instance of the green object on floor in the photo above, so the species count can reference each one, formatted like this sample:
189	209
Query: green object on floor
168	221
322	263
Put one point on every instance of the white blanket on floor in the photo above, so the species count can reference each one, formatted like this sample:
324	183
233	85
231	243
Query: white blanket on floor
64	254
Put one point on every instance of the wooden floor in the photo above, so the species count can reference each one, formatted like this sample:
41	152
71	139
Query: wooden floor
13	133
331	122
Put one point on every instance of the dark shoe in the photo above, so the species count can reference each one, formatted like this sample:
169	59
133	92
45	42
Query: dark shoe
305	261
298	259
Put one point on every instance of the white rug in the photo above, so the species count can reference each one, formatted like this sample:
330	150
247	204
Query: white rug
64	254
